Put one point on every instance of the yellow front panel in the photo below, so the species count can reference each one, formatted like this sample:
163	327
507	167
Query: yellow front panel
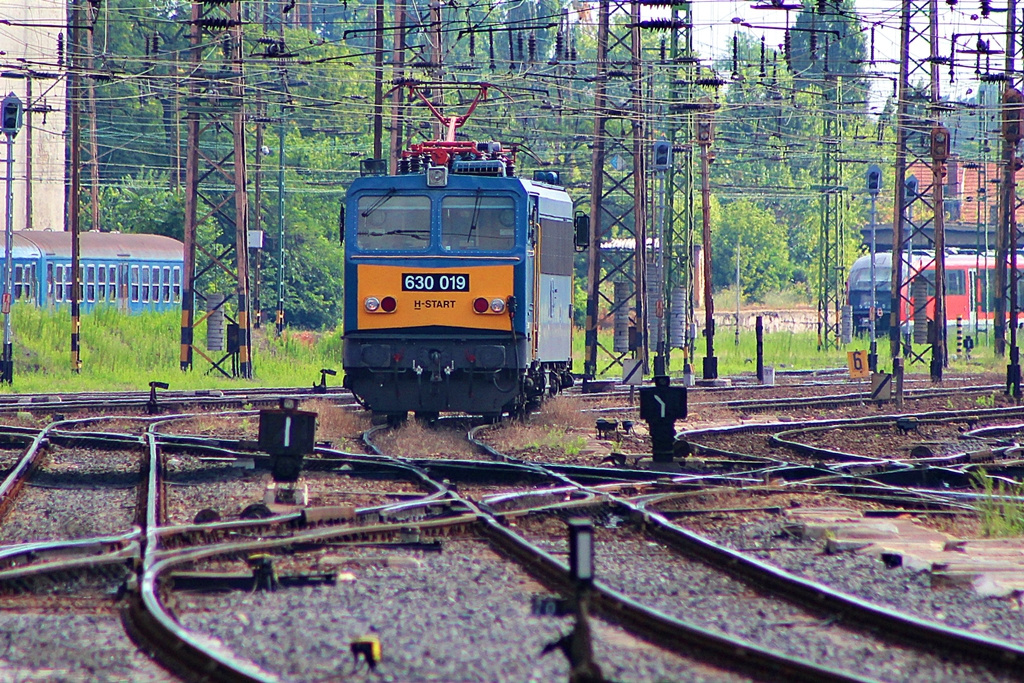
420	309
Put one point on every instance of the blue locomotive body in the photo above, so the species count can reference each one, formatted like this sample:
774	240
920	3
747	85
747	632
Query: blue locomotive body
458	289
133	272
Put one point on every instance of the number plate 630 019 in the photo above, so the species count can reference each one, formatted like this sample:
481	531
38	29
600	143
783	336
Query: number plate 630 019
435	282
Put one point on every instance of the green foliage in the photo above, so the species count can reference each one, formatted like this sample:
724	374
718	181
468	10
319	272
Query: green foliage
140	204
986	401
763	250
1001	510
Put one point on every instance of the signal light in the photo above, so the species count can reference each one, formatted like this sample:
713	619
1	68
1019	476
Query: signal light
372	303
874	179
498	305
481	305
10	115
388	304
662	155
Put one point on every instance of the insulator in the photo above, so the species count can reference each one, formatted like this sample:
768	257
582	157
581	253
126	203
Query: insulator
472	44
403	166
60	49
814	46
735	53
573	56
519	46
662	24
986	7
822	8
762	72
559	45
531	45
661	50
872	45
787	49
490	38
156	42
511	53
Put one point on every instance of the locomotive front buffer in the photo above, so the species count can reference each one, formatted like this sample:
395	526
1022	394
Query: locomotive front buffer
287	434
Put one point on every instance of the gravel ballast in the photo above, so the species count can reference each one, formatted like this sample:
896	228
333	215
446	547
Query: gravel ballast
459	615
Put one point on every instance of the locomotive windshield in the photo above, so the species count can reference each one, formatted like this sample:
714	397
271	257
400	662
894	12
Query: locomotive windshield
478	223
393	221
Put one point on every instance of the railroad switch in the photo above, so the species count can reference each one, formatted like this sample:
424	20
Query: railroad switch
367	647
263	574
151	407
322	387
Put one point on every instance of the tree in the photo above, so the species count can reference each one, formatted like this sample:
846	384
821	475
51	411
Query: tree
763	250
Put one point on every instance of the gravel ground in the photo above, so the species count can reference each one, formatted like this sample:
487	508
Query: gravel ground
194	484
59	646
868	578
689	590
460	615
75	493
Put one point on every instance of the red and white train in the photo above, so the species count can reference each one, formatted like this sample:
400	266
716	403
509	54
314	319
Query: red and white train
970	290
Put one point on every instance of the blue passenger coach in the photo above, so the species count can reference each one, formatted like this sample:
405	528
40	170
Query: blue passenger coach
133	272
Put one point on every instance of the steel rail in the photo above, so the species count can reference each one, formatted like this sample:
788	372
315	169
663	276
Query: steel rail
674	634
818	596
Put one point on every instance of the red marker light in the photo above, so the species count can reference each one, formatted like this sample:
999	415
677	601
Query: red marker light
388	304
481	305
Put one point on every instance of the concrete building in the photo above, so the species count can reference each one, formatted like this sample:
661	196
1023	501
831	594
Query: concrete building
34	49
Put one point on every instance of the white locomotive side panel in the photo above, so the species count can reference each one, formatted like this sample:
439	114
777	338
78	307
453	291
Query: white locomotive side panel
555	318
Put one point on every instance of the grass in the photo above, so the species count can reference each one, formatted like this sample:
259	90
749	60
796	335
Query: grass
1000	508
784	351
121	352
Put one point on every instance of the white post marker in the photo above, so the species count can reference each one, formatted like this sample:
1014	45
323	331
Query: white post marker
631	371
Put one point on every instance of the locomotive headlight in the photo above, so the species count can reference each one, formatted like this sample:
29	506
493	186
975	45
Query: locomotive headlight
481	305
372	303
388	304
498	305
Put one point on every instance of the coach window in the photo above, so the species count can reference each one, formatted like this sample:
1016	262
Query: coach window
19	277
49	282
478	223
135	283
393	222
177	284
167	284
112	289
145	283
101	283
955	283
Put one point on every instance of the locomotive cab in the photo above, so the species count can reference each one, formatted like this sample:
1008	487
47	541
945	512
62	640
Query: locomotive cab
458	285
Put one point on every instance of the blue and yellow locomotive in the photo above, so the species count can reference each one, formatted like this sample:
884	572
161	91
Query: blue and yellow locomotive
458	283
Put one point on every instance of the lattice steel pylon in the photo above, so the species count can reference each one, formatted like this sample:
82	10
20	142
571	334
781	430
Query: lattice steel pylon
1008	237
679	184
215	174
918	279
831	233
618	193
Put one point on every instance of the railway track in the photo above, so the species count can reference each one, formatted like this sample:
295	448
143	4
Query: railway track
439	541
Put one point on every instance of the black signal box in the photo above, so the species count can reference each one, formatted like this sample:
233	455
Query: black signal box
287	435
660	403
284	432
